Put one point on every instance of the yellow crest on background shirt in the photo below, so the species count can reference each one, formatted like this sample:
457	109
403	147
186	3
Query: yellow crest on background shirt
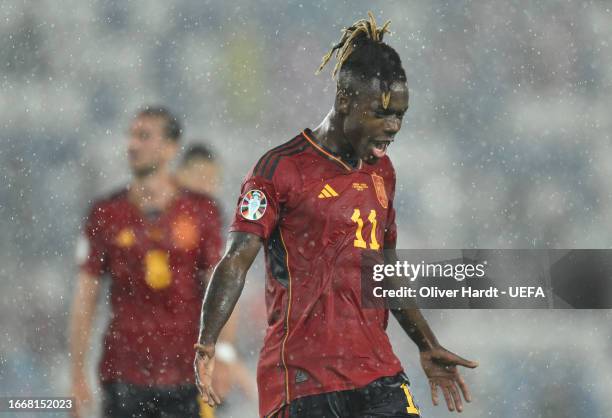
125	238
381	193
157	269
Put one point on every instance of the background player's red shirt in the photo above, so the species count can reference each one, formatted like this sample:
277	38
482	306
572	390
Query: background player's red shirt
156	265
317	214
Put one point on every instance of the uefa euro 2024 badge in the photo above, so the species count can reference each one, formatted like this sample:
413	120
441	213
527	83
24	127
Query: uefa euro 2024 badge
254	204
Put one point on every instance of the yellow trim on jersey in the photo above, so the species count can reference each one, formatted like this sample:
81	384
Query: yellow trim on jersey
283	354
333	157
275	412
411	408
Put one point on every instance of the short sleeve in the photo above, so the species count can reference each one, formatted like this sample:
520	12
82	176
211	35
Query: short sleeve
211	242
261	200
92	249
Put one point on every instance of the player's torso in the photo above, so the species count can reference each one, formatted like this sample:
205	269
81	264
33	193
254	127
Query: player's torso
153	258
325	339
339	212
155	291
335	215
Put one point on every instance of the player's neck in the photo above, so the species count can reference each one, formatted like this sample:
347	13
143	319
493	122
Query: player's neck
153	191
331	135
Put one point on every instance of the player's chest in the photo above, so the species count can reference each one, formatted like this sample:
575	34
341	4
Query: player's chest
342	202
135	235
155	253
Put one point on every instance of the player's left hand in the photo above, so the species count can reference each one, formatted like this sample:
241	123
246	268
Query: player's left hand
204	365
440	366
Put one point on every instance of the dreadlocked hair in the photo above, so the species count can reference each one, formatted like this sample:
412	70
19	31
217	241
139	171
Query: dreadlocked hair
361	53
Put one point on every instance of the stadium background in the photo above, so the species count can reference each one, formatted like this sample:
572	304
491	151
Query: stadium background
506	145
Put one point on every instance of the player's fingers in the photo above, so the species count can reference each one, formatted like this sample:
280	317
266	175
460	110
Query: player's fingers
203	395
214	396
209	396
434	392
456	397
448	398
464	389
201	379
464	362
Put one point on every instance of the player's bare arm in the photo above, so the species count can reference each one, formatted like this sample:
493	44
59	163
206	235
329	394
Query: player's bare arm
230	368
223	291
81	319
439	364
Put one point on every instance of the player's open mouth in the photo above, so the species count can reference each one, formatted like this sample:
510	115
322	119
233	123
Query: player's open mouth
379	148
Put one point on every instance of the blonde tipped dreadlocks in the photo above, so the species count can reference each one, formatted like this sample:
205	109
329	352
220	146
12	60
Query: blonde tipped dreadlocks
345	46
378	60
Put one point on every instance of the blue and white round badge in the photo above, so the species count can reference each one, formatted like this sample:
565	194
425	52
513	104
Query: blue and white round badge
253	205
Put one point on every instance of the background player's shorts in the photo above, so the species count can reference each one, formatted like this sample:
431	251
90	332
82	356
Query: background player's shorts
385	397
123	400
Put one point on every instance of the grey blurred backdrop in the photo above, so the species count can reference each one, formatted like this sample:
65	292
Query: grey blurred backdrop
506	145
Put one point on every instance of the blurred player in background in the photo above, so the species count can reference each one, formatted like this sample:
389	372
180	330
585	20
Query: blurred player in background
316	203
157	242
200	171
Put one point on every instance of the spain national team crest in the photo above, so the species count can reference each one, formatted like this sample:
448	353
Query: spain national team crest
381	193
253	205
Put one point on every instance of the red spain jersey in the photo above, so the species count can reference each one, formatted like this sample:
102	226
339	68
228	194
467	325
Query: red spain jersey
156	265
317	214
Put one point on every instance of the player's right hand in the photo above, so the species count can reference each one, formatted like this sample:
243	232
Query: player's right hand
223	380
82	396
440	367
204	364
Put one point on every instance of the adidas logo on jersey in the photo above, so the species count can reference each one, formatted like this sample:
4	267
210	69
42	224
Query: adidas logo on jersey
301	376
327	192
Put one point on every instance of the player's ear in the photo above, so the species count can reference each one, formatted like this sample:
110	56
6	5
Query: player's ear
343	102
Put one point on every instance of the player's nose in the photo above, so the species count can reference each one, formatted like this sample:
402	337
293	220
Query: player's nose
392	125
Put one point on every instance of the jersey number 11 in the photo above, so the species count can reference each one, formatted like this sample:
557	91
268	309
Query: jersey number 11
359	241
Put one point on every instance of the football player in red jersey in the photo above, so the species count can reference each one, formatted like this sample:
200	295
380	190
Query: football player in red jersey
156	241
316	203
199	170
